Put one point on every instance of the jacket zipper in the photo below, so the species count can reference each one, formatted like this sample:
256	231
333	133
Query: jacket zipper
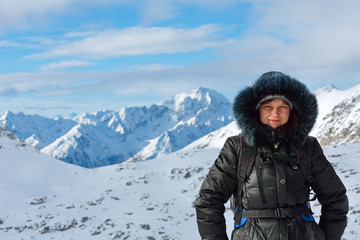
276	144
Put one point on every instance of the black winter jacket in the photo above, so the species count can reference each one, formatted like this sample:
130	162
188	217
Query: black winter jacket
282	181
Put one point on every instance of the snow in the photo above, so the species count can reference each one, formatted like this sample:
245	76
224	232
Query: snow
215	139
44	198
47	198
328	97
339	118
37	130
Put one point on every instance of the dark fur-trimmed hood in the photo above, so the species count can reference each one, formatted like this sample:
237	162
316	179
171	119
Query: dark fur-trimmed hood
304	107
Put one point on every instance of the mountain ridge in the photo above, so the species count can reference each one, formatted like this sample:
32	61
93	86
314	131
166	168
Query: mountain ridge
134	133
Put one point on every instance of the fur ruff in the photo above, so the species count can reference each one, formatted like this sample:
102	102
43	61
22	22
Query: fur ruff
304	104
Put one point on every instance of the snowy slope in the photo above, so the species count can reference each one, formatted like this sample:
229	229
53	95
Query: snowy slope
329	96
136	133
215	139
339	116
43	198
55	200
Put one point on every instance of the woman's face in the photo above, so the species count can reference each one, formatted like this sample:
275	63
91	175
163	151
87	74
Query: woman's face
274	113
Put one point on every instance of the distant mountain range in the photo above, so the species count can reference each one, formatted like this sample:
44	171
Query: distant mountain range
136	133
141	133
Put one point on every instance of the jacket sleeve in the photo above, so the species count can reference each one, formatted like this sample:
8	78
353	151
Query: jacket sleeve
218	186
331	194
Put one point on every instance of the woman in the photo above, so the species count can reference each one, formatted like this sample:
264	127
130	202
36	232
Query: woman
275	115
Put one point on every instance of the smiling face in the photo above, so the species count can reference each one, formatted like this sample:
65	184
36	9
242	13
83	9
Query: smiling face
274	113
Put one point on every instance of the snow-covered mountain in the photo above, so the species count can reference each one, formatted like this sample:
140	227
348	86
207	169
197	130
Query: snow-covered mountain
339	115
43	198
136	133
34	129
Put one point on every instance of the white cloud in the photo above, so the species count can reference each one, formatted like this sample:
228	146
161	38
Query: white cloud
30	14
137	41
315	39
214	4
91	90
77	34
6	44
148	67
157	10
7	92
33	14
65	65
22	14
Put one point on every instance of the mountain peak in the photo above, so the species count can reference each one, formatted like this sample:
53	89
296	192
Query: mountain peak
200	97
328	88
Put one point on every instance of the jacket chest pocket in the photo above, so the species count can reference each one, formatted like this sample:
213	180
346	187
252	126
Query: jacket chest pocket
280	183
297	190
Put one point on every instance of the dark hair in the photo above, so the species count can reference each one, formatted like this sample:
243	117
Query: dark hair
293	120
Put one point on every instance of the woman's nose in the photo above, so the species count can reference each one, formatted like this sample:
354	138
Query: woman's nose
275	112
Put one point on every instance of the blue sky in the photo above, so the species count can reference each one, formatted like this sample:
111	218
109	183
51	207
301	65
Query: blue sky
64	56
